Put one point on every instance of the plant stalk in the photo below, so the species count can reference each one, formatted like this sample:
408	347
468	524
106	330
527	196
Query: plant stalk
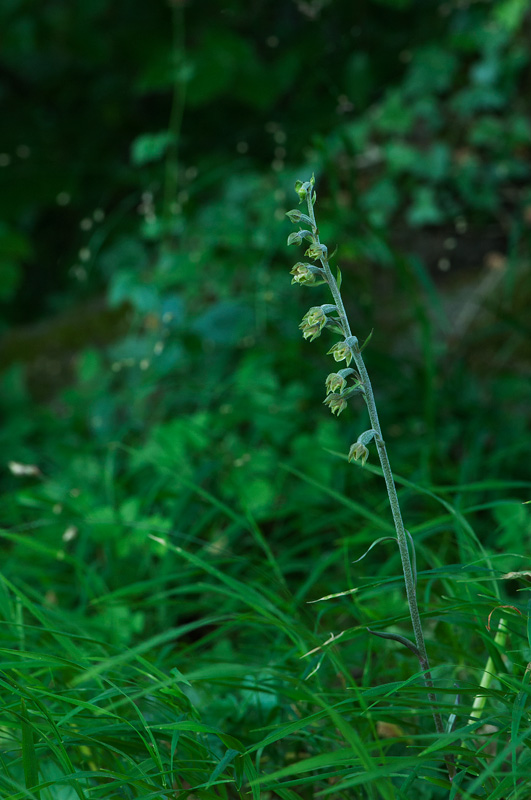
411	591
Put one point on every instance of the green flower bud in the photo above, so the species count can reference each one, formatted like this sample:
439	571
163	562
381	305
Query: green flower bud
335	382
302	189
297	216
341	352
297	237
294	215
358	452
336	402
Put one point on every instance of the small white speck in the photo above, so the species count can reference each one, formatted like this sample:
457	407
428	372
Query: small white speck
70	533
16	468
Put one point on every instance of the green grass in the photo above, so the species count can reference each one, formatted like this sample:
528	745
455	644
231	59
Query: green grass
211	675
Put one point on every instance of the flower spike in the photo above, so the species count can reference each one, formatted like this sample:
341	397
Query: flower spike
338	392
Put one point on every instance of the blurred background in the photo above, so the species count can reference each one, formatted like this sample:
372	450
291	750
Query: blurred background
156	393
153	376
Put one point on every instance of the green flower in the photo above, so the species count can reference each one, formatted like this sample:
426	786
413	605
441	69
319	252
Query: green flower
358	452
335	382
303	274
316	251
313	322
341	352
336	402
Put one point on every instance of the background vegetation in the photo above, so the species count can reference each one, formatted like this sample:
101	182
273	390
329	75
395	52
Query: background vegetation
174	494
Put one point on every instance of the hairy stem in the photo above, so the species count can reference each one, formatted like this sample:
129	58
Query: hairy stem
388	475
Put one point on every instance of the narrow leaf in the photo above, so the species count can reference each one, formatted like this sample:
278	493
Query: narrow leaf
366	342
225	761
396	638
334	325
381	539
336	594
29	756
518	710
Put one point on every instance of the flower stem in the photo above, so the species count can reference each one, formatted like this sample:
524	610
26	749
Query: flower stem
401	535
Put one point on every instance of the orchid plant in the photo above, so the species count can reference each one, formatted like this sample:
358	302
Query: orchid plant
341	386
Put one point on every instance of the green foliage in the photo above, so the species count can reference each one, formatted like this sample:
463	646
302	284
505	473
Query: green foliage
176	506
